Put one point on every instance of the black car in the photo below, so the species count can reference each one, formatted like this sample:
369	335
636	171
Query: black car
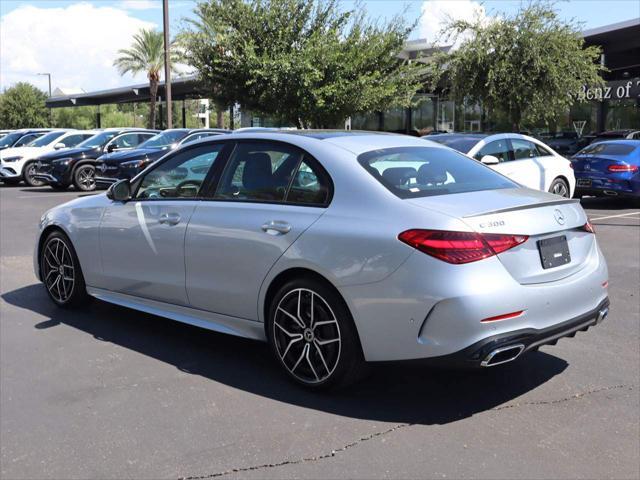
76	166
20	138
628	134
118	165
565	143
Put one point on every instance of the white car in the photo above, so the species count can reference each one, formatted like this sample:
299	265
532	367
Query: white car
523	159
18	163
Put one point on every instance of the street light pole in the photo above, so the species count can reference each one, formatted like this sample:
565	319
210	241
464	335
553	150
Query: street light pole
49	76
167	61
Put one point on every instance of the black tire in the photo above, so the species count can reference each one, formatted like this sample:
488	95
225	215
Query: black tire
311	356
27	175
560	187
60	271
84	177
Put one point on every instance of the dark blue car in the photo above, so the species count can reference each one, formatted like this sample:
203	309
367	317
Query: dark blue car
608	168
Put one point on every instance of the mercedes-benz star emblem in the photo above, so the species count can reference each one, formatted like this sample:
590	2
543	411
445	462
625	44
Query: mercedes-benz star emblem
102	167
559	216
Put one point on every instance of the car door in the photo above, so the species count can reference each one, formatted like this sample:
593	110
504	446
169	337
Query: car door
525	168
142	240
268	194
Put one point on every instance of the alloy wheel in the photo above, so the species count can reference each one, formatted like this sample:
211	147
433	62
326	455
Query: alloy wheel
559	188
57	270
307	335
85	178
29	172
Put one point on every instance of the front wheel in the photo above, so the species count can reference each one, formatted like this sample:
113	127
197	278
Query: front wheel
28	172
84	178
60	271
559	187
312	335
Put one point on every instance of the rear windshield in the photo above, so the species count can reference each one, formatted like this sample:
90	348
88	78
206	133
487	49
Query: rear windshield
411	172
608	149
461	144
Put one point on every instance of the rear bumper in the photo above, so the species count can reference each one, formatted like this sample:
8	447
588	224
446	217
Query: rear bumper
429	309
480	353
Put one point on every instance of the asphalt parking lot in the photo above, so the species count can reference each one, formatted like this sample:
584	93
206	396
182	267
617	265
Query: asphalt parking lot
113	393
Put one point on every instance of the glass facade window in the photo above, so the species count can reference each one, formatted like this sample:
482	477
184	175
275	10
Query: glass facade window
423	115
395	120
369	121
622	114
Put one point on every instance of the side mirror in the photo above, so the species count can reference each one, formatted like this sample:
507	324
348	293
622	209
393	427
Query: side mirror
58	146
120	191
490	160
111	148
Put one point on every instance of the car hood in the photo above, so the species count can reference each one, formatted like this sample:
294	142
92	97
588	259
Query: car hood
75	153
134	154
21	152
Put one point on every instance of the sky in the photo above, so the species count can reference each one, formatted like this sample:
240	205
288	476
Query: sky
77	40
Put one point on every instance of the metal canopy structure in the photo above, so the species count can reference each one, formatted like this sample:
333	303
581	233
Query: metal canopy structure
181	88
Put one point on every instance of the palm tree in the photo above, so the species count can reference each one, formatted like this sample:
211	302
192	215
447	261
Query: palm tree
146	54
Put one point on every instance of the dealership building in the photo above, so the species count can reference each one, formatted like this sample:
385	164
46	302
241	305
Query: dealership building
614	107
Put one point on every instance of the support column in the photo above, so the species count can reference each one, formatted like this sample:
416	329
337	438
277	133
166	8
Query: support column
184	114
98	119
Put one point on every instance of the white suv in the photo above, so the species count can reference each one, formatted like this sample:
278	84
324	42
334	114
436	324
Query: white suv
18	163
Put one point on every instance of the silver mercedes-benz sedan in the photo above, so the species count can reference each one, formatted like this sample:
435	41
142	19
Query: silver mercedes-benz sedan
337	248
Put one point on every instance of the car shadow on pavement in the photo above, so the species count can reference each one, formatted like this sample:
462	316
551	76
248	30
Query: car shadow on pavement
391	393
608	203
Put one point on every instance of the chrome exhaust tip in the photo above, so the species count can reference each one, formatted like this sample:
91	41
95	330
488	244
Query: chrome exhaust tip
502	355
611	193
602	314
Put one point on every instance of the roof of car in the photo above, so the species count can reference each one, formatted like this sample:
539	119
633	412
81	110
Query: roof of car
325	134
619	141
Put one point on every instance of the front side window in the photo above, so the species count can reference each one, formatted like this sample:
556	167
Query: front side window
128	140
73	140
411	172
498	149
182	176
523	149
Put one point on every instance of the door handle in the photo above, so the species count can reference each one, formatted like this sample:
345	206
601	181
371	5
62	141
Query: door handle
169	218
275	227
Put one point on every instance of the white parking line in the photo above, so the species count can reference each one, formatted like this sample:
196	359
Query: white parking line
615	216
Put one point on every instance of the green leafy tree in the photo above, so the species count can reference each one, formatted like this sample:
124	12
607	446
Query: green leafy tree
146	55
22	106
528	66
308	63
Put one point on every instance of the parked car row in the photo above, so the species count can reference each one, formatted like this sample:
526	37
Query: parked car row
98	158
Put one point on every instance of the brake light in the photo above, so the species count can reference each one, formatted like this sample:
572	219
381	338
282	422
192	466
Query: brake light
618	168
588	227
459	247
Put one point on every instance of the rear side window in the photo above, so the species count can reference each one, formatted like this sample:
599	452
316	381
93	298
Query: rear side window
497	148
411	172
523	149
542	152
608	149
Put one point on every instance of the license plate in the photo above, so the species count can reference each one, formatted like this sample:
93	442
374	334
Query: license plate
584	182
554	251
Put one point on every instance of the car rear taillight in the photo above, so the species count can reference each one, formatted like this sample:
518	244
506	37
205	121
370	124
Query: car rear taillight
588	227
460	247
618	168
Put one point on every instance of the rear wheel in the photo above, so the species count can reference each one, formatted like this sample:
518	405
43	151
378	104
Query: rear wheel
312	335
28	172
559	187
60	271
84	178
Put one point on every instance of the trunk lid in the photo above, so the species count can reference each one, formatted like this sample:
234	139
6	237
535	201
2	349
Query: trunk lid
522	211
